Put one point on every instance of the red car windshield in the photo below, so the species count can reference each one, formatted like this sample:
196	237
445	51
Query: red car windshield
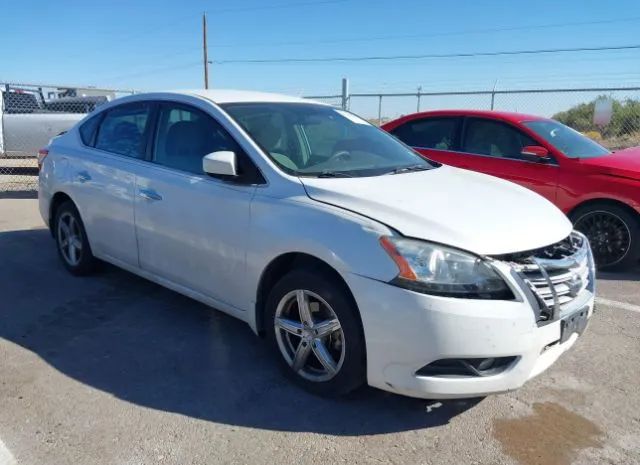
568	141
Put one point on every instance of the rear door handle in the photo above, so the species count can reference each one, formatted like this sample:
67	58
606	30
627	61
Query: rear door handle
83	176
149	194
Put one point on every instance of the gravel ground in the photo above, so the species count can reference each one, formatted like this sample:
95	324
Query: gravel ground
113	369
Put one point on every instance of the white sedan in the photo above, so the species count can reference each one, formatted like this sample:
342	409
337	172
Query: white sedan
360	261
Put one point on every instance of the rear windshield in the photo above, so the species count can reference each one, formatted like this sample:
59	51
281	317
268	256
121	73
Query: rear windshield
567	140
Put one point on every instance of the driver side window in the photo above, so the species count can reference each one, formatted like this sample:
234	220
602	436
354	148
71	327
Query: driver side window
185	135
494	138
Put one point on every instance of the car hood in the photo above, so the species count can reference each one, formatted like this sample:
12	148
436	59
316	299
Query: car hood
464	209
625	163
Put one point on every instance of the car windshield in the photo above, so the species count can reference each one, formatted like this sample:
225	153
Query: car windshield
568	141
308	139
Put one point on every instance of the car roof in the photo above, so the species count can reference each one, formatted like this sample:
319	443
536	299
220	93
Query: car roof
239	96
503	115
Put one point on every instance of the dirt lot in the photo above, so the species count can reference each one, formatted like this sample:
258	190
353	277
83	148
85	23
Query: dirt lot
115	370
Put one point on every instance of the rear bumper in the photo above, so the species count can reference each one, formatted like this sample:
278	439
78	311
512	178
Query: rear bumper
405	331
44	200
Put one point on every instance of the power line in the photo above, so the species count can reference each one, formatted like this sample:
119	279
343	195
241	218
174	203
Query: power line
194	64
425	56
435	34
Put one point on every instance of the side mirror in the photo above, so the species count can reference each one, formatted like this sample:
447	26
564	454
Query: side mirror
221	163
535	153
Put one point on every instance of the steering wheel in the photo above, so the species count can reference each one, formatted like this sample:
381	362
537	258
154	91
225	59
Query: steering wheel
339	154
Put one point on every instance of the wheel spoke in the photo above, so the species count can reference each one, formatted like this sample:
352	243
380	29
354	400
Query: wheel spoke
305	324
73	256
325	328
608	235
77	243
289	326
324	357
301	356
64	229
303	308
72	225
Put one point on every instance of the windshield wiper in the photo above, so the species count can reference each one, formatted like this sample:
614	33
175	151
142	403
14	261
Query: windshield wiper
407	169
334	174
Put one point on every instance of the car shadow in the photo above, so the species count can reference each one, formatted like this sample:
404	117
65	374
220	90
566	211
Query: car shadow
155	348
28	194
632	274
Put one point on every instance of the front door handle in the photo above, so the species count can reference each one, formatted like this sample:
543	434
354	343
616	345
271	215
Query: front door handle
149	194
83	176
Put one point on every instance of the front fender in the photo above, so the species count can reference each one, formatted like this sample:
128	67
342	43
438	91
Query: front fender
347	242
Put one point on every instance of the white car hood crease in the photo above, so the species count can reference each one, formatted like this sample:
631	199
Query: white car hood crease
464	209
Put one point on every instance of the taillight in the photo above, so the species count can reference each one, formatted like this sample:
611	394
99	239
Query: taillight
42	154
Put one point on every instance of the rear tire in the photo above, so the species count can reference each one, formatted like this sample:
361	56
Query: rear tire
335	362
71	241
613	232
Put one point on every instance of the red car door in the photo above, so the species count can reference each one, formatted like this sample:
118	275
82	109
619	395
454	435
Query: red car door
480	144
496	148
437	138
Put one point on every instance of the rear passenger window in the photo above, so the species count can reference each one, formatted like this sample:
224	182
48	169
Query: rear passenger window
88	130
185	135
122	130
431	133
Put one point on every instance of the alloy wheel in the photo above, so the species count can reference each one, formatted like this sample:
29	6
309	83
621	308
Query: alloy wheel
309	335
69	239
608	234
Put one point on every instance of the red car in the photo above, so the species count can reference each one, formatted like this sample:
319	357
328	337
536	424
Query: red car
599	190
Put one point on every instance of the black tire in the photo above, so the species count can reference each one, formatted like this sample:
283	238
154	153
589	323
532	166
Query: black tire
86	262
614	234
352	373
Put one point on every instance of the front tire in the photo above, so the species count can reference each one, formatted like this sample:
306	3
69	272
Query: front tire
71	240
314	329
613	232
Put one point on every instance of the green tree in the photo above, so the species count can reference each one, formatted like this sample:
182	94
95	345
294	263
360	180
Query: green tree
625	118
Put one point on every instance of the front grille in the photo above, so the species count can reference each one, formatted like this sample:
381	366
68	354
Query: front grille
557	274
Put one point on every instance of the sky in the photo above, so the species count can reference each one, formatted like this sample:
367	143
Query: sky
151	45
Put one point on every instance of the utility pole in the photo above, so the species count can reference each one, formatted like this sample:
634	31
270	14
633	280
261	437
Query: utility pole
493	94
204	50
345	94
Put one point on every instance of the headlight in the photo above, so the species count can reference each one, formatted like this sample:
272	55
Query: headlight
444	271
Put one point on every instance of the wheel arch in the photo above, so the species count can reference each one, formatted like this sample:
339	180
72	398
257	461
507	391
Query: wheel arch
603	201
58	199
280	266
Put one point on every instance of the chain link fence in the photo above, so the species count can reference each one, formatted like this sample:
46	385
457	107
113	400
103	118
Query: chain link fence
573	107
30	115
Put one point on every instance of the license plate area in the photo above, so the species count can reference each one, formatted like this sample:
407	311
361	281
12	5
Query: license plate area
574	323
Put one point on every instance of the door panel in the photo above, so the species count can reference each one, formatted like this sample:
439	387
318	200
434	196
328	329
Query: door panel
457	159
192	228
103	181
193	231
103	187
495	147
539	177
